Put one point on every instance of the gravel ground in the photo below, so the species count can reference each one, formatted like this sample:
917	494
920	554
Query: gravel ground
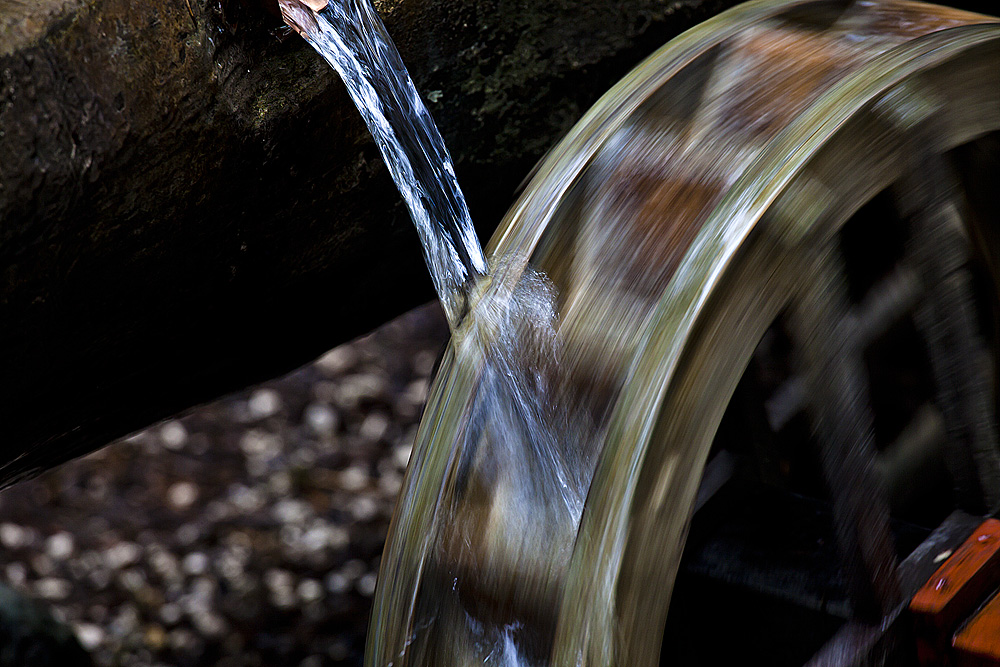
246	532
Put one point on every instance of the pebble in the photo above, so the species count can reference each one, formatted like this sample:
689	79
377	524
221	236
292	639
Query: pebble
217	511
280	484
354	389
281	586
310	590
42	565
122	555
353	479
262	444
390	484
231	565
91	636
401	455
353	568
416	392
17	573
337	583
303	458
200	596
170	613
99	578
423	362
209	624
338	537
338	651
276	579
125	621
173	435
59	546
132	579
326	392
291	538
51	588
363	508
182	640
155	637
187	534
316	538
338	360
263	403
366	584
182	495
195	563
321	418
374	426
13	536
164	564
288	510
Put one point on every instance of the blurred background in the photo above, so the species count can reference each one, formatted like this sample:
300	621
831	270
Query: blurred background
245	532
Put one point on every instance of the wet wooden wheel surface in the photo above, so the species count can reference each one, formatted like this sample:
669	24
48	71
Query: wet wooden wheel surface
697	202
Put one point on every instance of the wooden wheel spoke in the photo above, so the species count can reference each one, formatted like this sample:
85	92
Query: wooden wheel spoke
838	398
940	251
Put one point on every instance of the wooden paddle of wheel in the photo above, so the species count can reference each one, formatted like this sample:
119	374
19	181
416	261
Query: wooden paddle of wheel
697	202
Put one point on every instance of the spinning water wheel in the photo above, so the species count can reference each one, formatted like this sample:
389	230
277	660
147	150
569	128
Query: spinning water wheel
812	172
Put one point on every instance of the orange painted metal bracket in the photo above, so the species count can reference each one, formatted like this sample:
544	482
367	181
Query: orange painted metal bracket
978	643
954	592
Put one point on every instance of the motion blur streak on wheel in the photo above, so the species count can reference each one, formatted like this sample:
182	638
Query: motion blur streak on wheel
699	202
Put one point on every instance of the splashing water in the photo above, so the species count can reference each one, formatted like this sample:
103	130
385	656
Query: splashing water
525	462
352	38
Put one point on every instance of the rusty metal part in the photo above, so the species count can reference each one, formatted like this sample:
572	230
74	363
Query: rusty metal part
681	217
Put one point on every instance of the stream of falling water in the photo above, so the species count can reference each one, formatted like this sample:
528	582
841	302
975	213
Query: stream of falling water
524	466
352	38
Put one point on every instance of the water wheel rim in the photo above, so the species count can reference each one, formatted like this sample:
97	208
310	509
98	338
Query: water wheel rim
645	418
407	545
583	638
